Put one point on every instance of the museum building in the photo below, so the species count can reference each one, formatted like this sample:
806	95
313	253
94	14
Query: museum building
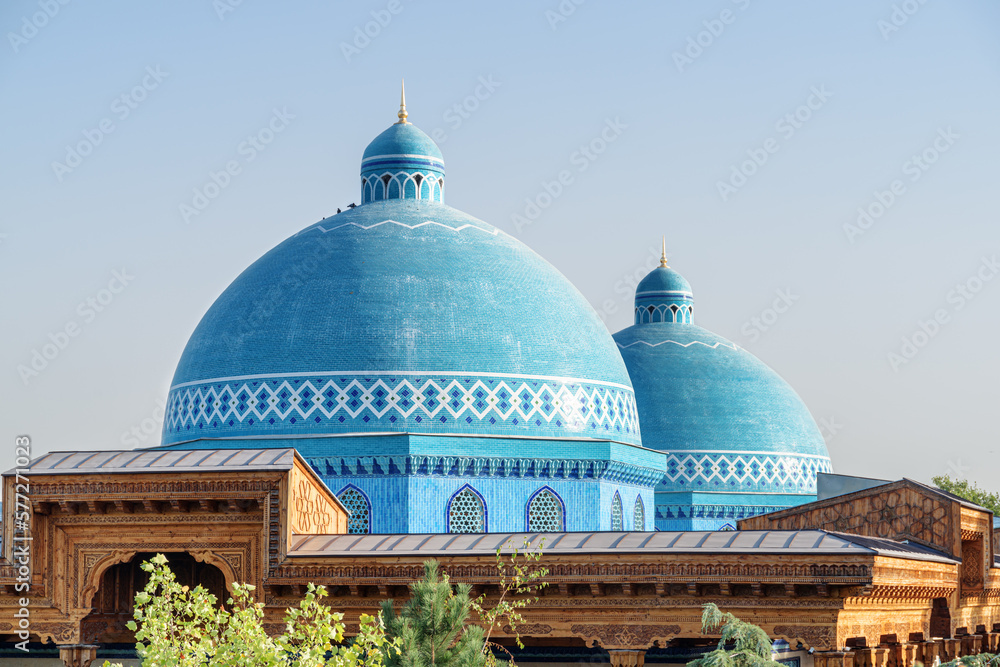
440	376
403	381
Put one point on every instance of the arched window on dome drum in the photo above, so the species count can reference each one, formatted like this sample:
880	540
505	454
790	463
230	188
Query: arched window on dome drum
466	512
616	513
359	522
639	515
393	189
545	512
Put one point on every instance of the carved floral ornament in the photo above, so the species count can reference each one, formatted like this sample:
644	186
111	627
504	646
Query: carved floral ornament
311	510
615	636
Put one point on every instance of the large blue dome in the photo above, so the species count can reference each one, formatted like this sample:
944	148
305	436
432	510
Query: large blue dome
401	316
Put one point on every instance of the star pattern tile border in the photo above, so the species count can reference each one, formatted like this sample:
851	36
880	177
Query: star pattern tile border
481	404
763	471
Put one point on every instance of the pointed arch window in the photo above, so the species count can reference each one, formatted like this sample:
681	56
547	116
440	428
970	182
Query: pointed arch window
546	512
360	521
616	513
639	515
467	512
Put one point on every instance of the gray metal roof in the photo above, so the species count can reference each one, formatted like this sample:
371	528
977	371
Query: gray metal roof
161	460
744	541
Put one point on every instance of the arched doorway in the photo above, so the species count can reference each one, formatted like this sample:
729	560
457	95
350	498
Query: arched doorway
113	601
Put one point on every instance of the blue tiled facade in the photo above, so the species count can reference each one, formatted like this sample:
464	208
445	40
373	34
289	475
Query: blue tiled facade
409	352
410	478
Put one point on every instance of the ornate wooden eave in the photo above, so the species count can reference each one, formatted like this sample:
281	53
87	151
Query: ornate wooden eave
277	526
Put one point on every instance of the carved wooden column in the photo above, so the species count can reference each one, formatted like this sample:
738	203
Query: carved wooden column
628	658
926	652
863	657
894	655
834	659
78	655
951	648
975	644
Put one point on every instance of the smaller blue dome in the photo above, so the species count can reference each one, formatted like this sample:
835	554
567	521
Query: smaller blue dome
664	296
403	139
663	279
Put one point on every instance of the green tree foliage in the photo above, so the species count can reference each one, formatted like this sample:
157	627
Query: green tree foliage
431	627
742	644
969	491
981	660
178	627
520	579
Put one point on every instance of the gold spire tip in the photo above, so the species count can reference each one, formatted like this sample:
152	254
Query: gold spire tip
663	254
402	105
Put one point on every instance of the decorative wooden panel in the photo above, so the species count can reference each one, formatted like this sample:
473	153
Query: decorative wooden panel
312	510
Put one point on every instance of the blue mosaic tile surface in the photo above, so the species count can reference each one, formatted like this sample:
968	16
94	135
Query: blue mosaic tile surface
340	328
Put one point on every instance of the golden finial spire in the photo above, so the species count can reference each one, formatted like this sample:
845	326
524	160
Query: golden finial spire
402	105
663	254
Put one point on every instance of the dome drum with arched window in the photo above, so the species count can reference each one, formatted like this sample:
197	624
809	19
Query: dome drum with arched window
402	163
664	296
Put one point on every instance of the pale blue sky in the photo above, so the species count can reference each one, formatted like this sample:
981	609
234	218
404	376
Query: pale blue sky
879	96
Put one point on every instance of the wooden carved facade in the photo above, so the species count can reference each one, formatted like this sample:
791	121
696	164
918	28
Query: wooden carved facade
907	511
218	527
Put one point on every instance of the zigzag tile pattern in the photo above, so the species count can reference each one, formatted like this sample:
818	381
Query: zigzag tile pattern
373	403
766	472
